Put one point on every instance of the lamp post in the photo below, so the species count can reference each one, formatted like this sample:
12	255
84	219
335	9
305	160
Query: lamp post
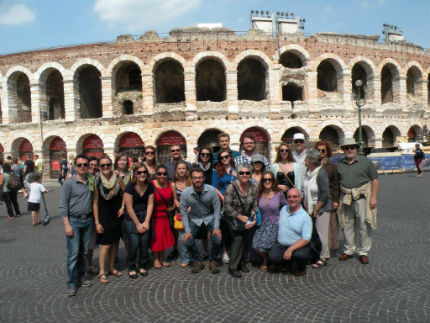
360	101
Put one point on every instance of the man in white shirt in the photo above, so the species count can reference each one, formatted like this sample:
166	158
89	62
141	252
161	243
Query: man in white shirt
299	153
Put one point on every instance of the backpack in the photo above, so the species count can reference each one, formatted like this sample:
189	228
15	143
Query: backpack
14	182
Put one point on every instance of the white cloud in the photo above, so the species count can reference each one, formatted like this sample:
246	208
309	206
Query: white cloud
136	15
17	14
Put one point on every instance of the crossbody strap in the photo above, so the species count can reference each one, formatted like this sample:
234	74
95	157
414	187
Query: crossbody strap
164	201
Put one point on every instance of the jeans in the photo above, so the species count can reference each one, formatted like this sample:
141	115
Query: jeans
191	245
77	248
137	243
10	198
185	255
299	256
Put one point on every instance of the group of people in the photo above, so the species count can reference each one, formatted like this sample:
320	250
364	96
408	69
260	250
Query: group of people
228	206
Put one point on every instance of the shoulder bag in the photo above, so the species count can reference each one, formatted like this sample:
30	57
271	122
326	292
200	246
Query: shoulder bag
170	214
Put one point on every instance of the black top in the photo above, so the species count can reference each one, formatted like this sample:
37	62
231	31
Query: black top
30	166
140	203
282	179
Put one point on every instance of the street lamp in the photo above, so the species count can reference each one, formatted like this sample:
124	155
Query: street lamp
360	101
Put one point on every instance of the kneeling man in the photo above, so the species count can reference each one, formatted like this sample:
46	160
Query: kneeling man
294	235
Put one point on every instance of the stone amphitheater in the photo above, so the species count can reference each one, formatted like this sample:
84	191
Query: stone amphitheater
186	88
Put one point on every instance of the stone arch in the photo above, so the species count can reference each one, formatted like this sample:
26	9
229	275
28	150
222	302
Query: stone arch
333	134
297	50
167	139
131	143
126	76
368	137
415	133
330	73
288	134
88	90
51	91
169	81
15	148
124	58
19	94
252	79
414	78
262	140
53	149
362	69
160	57
41	73
389	137
390	81
88	61
84	146
209	137
213	55
261	56
211	84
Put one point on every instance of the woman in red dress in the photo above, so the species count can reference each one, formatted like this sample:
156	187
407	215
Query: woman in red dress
164	201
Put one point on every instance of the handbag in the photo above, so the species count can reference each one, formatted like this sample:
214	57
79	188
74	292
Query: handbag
170	214
177	222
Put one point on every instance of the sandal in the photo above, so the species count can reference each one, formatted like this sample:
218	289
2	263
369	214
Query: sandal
166	264
183	265
115	273
103	279
132	274
157	265
319	264
143	272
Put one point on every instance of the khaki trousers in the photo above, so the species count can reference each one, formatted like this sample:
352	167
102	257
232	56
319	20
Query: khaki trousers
357	232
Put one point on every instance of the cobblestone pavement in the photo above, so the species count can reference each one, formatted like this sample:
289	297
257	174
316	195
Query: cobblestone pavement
394	287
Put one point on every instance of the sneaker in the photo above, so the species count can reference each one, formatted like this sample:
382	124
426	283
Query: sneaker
197	266
225	258
85	283
213	267
71	291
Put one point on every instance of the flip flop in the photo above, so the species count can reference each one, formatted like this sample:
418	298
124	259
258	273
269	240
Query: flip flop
166	264
132	276
115	273
103	279
143	272
319	264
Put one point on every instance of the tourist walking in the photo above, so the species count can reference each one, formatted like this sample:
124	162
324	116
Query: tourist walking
317	201
240	210
139	201
270	200
11	184
107	203
76	209
418	158
358	179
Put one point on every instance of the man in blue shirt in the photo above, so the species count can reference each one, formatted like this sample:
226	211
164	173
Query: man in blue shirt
295	231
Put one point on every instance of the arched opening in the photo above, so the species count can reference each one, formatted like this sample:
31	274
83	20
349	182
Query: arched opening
389	138
89	92
359	73
210	81
93	146
54	95
389	83
413	78
19	97
289	133
131	144
209	138
169	82
128	77
414	134
166	140
127	107
261	140
25	150
368	138
251	80
331	134
291	60
57	149
292	92
327	77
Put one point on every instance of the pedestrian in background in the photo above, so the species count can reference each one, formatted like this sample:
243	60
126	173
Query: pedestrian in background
10	194
418	158
36	189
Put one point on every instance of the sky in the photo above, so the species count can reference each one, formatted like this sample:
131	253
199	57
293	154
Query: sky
36	24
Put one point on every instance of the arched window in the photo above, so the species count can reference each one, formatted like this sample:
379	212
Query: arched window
359	73
90	92
127	77
326	77
19	95
169	82
413	78
210	81
291	60
251	80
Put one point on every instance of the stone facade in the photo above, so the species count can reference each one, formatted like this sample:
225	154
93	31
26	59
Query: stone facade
309	90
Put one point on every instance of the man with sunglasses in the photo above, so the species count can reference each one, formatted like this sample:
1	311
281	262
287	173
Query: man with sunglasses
224	145
176	157
358	179
248	144
76	209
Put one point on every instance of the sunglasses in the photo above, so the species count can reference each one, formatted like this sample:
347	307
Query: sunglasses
82	165
299	141
141	172
284	150
161	174
174	150
149	153
224	157
349	148
105	165
322	150
265	180
244	173
249	143
205	154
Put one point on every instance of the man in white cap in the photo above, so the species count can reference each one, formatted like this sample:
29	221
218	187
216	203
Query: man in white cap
299	153
359	182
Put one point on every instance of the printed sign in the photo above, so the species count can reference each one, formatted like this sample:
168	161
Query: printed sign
55	165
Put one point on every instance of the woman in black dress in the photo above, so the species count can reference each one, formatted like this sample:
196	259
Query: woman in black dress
286	170
107	203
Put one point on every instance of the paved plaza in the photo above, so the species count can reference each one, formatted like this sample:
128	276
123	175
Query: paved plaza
394	287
